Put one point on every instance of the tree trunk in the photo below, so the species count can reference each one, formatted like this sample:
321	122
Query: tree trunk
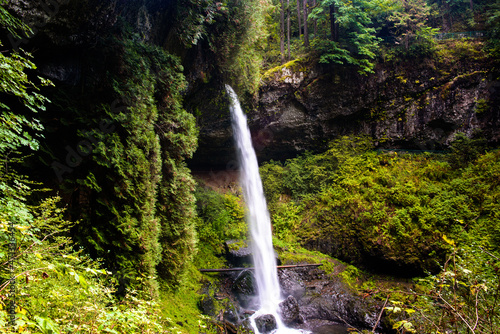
315	23
447	24
298	17
306	33
282	32
334	26
288	28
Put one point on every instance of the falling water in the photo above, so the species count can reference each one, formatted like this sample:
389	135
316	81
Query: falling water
268	288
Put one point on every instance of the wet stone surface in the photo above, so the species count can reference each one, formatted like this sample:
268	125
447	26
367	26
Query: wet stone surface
289	311
265	323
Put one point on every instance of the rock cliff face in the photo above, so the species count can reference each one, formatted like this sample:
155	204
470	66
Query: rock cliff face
417	105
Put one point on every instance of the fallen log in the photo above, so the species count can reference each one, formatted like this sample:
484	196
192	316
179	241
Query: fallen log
252	268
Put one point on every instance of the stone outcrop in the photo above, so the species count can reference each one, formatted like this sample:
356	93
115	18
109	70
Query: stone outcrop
413	104
322	301
289	311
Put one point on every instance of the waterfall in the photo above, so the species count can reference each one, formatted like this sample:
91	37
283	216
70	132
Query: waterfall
269	292
266	274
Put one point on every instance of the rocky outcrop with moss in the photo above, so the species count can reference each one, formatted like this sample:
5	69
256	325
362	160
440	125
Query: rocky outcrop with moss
417	103
116	135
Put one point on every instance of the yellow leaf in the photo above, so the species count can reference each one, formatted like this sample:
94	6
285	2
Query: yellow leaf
38	255
21	310
22	228
448	241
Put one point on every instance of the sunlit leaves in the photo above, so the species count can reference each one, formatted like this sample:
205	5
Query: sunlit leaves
410	20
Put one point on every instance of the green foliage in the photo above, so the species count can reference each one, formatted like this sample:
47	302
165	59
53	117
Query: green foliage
221	218
358	43
13	24
127	233
494	24
410	22
465	150
383	209
272	174
427	212
235	32
462	297
179	307
195	16
16	128
60	289
238	38
308	173
136	205
286	221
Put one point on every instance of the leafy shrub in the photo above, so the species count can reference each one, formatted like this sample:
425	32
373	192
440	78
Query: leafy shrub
221	217
386	211
60	289
465	150
463	297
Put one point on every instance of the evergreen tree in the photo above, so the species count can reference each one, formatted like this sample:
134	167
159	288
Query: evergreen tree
410	19
354	40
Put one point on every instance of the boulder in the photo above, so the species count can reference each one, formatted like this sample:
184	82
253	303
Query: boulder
238	253
291	283
289	311
243	288
265	323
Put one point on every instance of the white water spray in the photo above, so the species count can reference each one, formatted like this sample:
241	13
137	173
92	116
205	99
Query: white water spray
266	275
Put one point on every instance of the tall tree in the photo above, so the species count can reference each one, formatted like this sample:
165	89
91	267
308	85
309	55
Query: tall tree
299	18
282	31
288	28
315	21
334	25
353	38
306	15
410	19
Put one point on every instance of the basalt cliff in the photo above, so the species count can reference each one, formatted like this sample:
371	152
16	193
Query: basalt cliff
413	104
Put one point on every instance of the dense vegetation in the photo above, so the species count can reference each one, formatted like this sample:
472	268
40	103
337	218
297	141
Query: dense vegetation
355	32
132	195
384	209
395	212
110	236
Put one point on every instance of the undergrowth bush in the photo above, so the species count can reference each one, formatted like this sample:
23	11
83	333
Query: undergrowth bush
462	298
60	289
220	218
434	216
385	210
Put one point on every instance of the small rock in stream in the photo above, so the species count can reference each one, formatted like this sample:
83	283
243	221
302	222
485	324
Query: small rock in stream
266	323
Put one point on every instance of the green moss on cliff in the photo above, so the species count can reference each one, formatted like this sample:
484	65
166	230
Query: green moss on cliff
295	66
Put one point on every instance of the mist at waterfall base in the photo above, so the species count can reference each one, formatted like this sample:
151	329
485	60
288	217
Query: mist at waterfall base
266	276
